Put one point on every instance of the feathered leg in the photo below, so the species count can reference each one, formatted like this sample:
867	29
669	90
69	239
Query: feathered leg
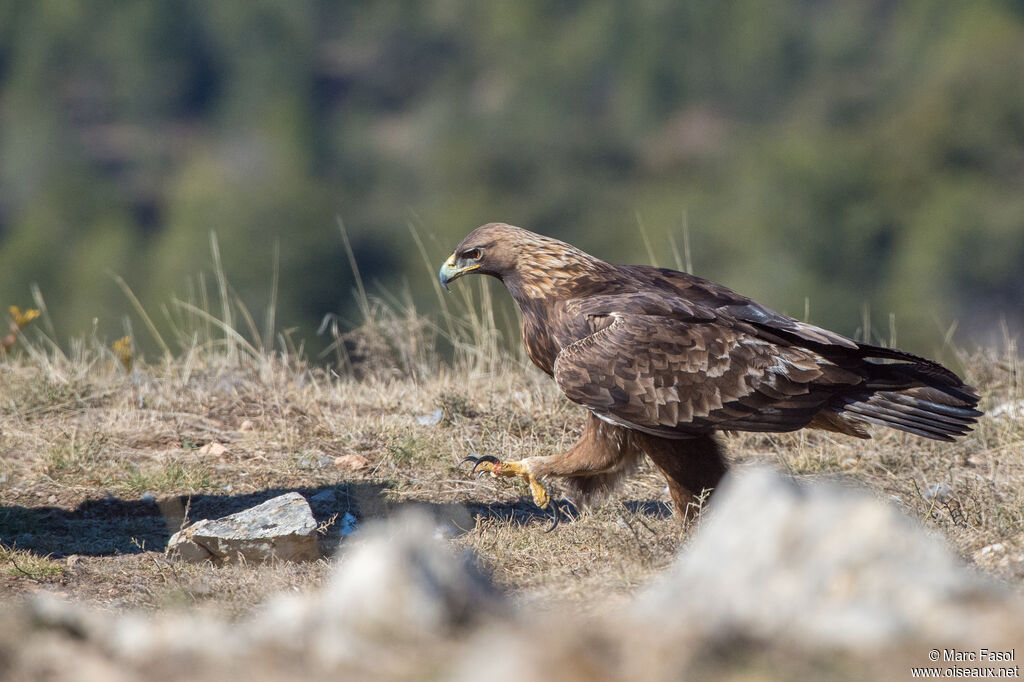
692	466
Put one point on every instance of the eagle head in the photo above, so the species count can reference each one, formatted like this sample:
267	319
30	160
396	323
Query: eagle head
491	249
529	264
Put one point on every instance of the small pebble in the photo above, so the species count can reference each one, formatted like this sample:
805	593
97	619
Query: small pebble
431	419
940	492
996	548
351	462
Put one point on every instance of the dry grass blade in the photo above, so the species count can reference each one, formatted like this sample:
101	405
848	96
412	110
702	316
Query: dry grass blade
236	339
362	299
225	302
137	305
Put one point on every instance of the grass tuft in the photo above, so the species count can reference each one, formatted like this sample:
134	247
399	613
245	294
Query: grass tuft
21	564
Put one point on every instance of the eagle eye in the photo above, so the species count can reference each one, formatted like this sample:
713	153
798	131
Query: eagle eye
471	254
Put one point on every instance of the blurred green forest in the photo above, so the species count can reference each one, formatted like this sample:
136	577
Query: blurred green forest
833	154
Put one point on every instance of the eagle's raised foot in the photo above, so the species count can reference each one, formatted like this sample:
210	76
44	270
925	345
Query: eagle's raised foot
496	467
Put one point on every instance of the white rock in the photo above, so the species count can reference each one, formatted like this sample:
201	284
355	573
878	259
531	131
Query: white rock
402	574
430	419
995	548
1012	409
280	528
399	584
818	564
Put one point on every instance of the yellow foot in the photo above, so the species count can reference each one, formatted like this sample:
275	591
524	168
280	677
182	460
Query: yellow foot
509	469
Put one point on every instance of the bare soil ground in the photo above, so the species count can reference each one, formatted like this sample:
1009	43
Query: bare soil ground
98	466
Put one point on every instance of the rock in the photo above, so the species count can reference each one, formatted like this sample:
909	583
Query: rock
402	575
1012	409
995	548
940	492
351	462
399	584
212	448
817	565
431	418
993	556
280	528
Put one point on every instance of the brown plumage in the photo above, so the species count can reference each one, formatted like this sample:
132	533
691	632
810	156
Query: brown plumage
663	359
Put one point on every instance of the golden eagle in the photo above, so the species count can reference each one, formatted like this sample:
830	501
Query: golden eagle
663	359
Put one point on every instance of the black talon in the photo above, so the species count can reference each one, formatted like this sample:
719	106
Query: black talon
556	514
477	461
486	458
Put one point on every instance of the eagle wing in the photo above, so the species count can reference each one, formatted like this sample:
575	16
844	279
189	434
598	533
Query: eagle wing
675	378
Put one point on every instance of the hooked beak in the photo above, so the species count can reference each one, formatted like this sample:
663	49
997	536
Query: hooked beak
452	270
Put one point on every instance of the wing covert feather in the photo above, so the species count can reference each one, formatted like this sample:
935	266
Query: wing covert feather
673	378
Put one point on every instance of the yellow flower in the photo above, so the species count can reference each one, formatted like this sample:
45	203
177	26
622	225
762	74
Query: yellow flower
22	318
123	350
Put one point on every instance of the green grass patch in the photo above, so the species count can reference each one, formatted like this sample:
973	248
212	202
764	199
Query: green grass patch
19	563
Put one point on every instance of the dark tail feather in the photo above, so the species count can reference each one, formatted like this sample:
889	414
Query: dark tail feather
900	390
912	394
925	399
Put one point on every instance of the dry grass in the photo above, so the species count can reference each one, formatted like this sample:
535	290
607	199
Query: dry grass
99	464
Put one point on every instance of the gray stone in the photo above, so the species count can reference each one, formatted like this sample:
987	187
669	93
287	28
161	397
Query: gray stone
818	564
1013	409
282	528
940	492
403	574
398	584
431	418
